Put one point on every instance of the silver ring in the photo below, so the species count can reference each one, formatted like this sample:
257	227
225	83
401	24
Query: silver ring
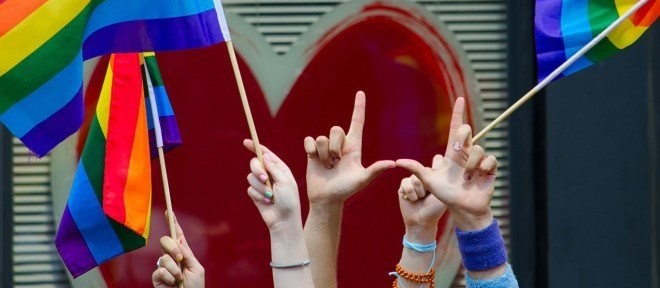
158	263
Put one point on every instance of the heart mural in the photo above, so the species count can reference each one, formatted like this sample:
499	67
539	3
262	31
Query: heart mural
393	51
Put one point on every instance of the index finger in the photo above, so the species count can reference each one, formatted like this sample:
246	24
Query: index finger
357	121
456	118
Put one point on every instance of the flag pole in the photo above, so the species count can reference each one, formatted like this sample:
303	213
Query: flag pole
161	158
246	105
558	71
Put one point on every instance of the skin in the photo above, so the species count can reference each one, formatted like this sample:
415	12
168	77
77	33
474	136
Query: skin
282	217
463	180
334	173
420	216
169	274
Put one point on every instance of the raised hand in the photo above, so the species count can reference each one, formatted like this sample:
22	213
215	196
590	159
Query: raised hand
464	180
285	203
334	173
169	274
420	213
334	165
280	210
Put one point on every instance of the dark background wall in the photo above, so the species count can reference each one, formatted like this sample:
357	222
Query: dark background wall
6	217
586	169
602	162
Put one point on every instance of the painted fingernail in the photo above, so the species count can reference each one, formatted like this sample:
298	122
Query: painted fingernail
466	177
267	200
457	146
268	194
179	257
263	178
181	241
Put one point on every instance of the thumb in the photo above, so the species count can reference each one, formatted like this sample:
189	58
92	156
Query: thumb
275	167
378	167
414	167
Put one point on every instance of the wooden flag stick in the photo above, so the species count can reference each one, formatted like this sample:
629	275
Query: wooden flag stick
161	159
558	71
246	105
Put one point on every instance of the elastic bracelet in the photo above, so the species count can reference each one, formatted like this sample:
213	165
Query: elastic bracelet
413	277
416	277
422	248
483	249
301	264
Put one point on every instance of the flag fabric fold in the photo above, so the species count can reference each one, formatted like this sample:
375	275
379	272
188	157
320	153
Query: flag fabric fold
154	87
109	206
43	45
562	27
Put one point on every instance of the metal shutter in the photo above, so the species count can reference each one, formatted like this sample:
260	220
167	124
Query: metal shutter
35	259
479	26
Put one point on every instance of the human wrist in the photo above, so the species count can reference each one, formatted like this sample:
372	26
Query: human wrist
472	221
289	226
421	234
483	249
326	209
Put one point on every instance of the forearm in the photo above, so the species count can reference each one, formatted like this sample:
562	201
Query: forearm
322	233
288	248
414	261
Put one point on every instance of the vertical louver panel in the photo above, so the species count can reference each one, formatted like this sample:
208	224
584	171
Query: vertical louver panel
478	25
36	262
480	28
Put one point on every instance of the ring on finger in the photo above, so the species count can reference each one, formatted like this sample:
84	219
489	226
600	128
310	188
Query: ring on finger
158	262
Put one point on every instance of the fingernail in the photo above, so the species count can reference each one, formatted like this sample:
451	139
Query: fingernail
268	194
179	257
267	200
263	178
466	177
457	146
328	166
181	241
267	157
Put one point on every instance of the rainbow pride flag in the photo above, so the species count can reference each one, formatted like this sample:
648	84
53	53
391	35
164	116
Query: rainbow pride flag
562	27
109	206
154	87
43	44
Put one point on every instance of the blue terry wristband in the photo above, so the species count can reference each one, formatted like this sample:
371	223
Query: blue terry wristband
483	249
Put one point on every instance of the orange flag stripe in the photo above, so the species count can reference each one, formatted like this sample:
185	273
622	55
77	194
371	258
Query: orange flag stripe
14	11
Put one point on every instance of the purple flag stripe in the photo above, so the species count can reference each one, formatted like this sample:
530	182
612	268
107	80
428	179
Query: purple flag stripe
72	247
155	35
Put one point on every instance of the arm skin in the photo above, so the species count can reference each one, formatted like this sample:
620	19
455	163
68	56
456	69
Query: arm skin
420	216
282	216
322	233
464	181
334	173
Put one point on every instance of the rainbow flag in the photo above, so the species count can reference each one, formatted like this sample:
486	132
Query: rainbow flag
43	44
562	27
109	205
154	87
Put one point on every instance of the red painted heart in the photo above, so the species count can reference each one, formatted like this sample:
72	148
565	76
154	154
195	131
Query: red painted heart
410	89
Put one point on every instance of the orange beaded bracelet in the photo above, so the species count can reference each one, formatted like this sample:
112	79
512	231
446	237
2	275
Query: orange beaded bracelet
414	277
